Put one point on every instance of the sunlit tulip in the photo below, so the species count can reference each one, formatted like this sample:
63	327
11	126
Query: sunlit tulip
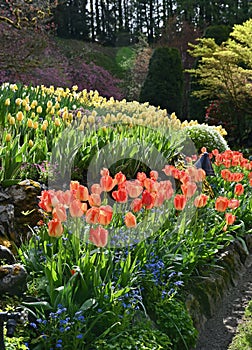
96	188
55	228
130	220
154	175
92	215
98	236
141	176
19	116
189	189
239	189
201	201
59	212
94	200
230	218
120	178
46	201
179	201
107	183
221	204
134	188
105	215
75	208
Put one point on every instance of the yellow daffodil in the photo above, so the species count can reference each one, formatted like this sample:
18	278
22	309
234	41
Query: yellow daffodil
7	102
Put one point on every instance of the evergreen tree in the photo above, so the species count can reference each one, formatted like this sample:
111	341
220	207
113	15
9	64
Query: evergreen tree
163	86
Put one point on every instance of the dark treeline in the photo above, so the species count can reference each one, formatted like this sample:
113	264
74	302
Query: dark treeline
116	22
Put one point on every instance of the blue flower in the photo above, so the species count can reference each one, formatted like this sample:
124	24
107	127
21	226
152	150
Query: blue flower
79	336
32	324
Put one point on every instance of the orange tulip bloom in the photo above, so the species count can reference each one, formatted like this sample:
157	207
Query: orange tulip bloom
59	212
105	215
94	200
98	236
225	174
75	208
130	220
250	182
107	183
239	189
134	188
46	200
230	218
96	188
82	193
141	177
179	201
120	178
92	215
189	189
154	175
201	201
55	228
221	204
104	172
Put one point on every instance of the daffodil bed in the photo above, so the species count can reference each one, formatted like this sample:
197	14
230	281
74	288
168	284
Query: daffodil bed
128	216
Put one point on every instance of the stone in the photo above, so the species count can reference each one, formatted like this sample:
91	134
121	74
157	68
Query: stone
6	255
13	279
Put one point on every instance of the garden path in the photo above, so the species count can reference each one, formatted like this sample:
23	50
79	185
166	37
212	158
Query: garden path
221	328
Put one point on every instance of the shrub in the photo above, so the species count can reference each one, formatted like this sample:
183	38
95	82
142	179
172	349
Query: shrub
164	82
207	136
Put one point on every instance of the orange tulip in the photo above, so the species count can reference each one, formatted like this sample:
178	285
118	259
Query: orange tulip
76	209
141	177
134	188
154	175
201	201
230	218
96	188
250	182
221	204
120	178
92	215
59	212
189	189
98	236
225	174
130	220
105	215
94	200
239	189
179	201
104	172
55	228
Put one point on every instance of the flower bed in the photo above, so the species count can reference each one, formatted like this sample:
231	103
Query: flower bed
128	218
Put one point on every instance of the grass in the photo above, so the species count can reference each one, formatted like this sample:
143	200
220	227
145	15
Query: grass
243	338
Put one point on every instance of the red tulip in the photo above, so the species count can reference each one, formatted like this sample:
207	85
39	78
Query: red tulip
55	228
92	215
105	215
225	174
154	175
141	177
98	236
179	201
239	189
221	204
148	199
130	220
121	196
46	200
136	204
